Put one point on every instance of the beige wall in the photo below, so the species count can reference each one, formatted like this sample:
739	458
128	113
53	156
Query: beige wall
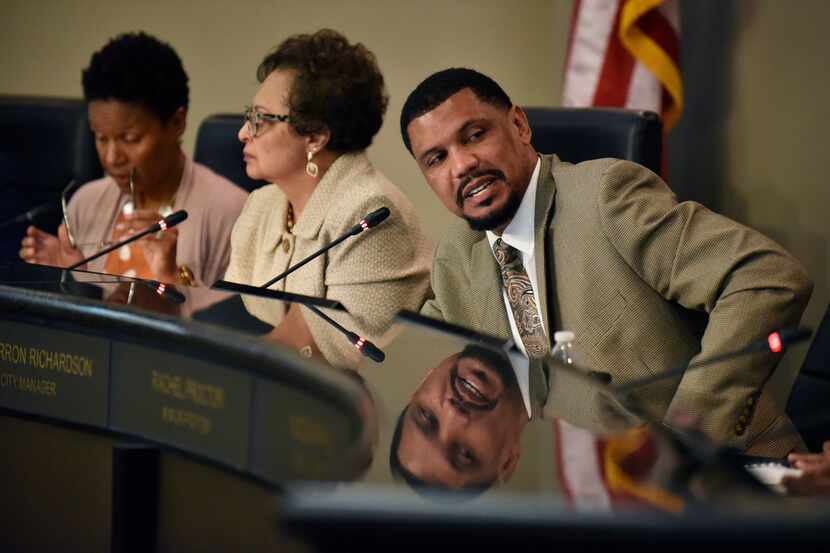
771	139
777	132
44	44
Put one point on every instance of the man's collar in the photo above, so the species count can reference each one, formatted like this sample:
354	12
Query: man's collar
519	233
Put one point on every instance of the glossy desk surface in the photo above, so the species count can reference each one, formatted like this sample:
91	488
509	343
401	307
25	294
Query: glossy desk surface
465	423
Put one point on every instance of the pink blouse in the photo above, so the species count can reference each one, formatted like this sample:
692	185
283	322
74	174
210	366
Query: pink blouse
213	204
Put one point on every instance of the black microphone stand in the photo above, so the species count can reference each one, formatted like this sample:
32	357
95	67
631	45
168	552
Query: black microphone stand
166	223
30	215
304	261
372	219
787	337
363	345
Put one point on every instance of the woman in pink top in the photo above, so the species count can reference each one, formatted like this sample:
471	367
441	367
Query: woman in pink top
137	96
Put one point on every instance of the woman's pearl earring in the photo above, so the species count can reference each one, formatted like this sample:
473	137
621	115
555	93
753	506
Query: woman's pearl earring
311	167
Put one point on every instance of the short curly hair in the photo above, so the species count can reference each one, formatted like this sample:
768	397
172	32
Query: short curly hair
137	68
338	86
438	87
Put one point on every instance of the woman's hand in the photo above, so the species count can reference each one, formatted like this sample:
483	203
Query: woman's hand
43	248
160	248
293	332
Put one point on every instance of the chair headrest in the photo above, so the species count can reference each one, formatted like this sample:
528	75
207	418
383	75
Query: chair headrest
218	147
580	134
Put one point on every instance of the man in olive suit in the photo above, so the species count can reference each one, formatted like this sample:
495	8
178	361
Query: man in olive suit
603	249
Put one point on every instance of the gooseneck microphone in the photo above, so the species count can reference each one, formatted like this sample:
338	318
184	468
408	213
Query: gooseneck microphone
167	223
44	208
30	215
362	345
371	220
165	291
775	342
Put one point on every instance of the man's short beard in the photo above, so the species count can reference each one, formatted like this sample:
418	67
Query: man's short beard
498	218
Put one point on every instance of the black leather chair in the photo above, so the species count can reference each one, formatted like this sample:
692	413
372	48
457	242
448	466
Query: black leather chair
218	147
577	134
807	406
44	143
573	134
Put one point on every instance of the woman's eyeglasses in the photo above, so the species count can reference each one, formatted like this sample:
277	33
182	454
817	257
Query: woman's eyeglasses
70	232
65	208
255	118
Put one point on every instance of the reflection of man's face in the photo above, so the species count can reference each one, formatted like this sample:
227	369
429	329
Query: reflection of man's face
463	425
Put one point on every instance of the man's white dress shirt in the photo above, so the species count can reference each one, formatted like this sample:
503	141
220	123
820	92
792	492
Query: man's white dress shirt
520	234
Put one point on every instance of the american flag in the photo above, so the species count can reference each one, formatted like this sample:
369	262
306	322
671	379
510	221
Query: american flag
625	53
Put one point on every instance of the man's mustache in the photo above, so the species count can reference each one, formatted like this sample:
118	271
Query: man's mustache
459	196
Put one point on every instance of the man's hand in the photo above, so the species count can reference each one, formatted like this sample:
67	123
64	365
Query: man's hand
160	248
43	248
815	479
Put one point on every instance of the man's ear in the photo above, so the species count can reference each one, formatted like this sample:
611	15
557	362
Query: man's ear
178	121
518	119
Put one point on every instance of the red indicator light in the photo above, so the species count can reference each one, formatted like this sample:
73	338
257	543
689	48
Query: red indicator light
161	288
775	344
364	224
359	343
163	225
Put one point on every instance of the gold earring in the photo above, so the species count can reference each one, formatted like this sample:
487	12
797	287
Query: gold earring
311	167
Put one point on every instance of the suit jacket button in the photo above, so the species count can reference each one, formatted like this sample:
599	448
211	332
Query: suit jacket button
750	400
739	429
742	418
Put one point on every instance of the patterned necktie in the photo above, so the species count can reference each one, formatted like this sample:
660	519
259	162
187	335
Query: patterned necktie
522	301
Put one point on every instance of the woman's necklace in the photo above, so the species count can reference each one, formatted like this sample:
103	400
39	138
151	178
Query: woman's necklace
164	210
289	218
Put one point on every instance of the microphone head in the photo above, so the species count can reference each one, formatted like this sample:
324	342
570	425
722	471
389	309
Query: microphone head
366	347
172	220
375	218
175	218
777	341
372	219
165	291
373	352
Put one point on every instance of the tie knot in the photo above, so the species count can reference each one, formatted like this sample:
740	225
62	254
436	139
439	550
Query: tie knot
505	253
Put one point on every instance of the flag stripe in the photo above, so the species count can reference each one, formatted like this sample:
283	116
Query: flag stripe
625	53
581	462
653	54
615	76
655	24
593	27
558	448
574	18
644	92
671	11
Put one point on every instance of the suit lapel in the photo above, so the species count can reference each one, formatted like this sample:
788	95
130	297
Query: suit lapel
486	291
543	216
